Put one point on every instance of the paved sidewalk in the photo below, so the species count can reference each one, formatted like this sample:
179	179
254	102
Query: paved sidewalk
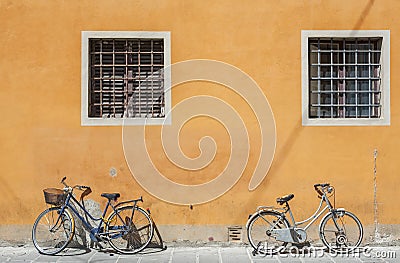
195	255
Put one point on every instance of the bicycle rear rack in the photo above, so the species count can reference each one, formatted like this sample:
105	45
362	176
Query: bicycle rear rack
130	201
269	208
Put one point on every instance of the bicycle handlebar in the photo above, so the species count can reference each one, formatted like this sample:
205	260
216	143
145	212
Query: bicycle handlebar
79	187
322	185
320	188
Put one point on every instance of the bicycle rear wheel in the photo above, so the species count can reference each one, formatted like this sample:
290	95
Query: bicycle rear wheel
259	232
341	231
129	229
52	232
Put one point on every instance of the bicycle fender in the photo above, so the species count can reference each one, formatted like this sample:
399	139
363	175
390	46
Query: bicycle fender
340	210
66	210
116	208
251	216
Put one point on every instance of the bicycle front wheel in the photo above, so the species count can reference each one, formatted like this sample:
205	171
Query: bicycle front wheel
130	229
259	232
341	231
52	231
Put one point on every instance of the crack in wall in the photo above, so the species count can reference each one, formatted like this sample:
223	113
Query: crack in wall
379	238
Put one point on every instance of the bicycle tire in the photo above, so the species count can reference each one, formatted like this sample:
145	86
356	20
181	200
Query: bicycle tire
49	242
345	239
158	236
258	228
127	234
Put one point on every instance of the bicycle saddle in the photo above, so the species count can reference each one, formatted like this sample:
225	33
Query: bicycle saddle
284	199
111	196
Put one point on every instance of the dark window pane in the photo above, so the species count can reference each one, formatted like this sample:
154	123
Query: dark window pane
351	98
375	57
325	85
145	58
107	46
363	71
314	85
325	112
314	58
362	58
325	58
314	73
350	58
363	112
326	98
120	45
350	85
158	58
120	59
107	59
350	112
363	98
314	98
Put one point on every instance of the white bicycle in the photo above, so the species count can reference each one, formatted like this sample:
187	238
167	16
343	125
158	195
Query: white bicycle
269	229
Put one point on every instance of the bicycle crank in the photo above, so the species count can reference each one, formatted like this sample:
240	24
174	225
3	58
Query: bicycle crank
290	235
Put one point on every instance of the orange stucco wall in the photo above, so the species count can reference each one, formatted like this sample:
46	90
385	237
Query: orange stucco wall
42	139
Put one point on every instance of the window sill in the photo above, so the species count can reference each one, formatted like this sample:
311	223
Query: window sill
346	122
125	121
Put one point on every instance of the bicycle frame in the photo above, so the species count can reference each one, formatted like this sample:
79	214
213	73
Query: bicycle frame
86	223
93	230
290	233
312	218
271	228
127	228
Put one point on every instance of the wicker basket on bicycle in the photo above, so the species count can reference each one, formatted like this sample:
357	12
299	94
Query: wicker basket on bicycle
54	196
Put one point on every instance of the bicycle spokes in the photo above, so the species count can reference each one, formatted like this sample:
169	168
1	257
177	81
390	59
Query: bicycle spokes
131	235
132	231
261	229
52	231
341	232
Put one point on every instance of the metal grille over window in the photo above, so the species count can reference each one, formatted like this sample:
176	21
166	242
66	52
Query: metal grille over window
345	77
126	77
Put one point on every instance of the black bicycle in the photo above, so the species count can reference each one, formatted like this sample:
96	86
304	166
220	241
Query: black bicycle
128	228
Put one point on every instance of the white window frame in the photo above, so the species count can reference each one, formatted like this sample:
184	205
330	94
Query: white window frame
384	120
90	121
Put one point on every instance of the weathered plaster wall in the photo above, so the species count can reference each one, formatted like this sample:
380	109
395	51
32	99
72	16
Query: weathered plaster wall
42	139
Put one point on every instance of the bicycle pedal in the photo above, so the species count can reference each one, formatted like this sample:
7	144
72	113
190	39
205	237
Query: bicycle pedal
98	245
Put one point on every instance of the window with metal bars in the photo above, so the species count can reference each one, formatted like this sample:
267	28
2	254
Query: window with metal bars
125	76
345	79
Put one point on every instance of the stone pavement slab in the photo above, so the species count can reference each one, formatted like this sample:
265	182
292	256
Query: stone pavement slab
205	254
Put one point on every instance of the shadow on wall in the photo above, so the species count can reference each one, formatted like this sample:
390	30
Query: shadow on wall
278	161
11	196
363	15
